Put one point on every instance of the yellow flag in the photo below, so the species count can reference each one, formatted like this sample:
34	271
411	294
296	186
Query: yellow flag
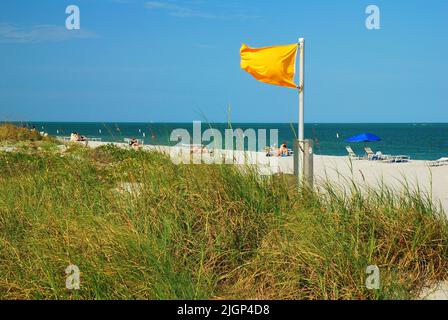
274	65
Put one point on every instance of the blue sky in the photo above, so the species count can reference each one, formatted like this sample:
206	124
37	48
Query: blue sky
137	60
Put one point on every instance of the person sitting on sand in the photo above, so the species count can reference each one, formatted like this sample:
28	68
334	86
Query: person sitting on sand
271	151
73	136
283	150
133	142
196	148
80	137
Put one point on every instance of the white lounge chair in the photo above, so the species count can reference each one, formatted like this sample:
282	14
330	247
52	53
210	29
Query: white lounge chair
369	152
65	139
72	138
440	162
394	159
375	155
351	154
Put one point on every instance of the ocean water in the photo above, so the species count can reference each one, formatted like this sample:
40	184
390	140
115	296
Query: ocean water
425	141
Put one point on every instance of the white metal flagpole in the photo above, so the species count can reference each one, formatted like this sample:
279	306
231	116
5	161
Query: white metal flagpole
301	128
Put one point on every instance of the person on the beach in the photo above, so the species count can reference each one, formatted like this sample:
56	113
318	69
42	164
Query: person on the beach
283	150
267	150
271	151
133	142
80	137
195	148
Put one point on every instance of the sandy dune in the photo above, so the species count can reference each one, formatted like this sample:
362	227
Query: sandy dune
432	180
340	170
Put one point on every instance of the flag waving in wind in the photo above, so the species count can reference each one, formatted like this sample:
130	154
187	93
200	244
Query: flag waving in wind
274	65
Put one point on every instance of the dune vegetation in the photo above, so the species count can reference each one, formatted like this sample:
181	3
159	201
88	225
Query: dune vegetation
140	227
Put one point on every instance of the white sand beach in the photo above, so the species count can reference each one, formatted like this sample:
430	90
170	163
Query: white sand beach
340	170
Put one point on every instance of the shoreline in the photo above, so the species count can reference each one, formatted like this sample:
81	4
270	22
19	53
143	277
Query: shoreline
422	141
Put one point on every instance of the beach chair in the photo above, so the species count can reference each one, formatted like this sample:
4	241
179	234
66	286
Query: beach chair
374	156
396	159
351	154
64	139
194	148
440	162
370	154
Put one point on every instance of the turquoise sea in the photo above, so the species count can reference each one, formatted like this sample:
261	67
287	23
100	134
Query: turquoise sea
419	140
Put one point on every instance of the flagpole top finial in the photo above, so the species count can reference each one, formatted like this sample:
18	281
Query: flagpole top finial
301	40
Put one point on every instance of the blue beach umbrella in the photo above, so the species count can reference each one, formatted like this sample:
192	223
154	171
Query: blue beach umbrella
363	137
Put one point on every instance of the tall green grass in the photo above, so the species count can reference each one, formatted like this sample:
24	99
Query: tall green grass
10	132
140	227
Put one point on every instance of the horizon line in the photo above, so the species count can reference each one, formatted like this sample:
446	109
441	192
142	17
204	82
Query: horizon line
217	122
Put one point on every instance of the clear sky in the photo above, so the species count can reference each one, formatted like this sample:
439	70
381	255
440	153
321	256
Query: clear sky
166	60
